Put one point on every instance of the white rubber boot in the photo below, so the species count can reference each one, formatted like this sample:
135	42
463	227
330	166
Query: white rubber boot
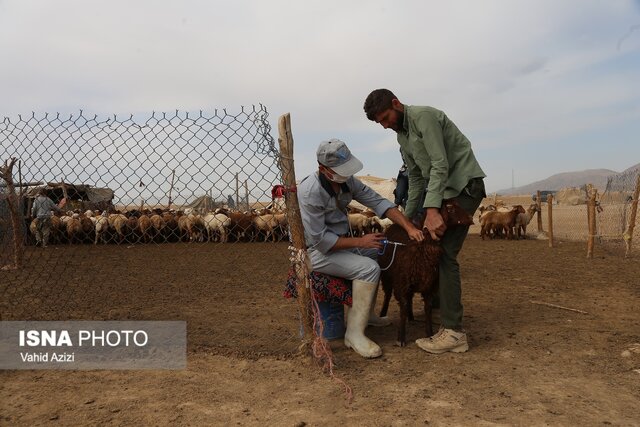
374	319
362	294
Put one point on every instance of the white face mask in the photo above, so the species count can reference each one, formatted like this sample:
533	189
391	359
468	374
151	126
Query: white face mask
339	178
334	177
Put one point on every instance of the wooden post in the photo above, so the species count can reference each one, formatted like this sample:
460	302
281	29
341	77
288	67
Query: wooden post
65	192
246	193
173	176
237	192
550	218
628	235
21	192
301	261
6	172
539	211
591	217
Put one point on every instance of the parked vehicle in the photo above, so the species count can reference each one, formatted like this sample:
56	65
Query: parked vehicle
543	195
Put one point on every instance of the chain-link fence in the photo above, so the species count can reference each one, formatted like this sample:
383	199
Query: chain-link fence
156	217
614	209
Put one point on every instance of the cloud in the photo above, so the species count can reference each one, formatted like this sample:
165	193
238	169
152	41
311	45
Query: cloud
509	74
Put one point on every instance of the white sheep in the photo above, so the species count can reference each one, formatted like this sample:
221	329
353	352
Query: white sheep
383	223
102	226
523	219
145	227
359	223
217	223
158	223
268	224
192	225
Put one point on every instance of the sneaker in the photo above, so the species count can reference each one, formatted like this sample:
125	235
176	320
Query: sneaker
445	340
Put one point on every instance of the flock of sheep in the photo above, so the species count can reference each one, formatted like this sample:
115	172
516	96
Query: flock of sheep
225	225
160	226
505	221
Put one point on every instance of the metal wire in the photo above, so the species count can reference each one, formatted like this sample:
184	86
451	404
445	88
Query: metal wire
175	191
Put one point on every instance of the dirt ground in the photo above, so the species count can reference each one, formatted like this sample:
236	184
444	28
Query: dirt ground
529	364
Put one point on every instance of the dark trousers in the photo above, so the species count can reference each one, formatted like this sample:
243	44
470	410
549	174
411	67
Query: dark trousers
450	287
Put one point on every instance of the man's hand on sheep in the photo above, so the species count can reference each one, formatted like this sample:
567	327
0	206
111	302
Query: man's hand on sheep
415	234
398	217
371	241
434	223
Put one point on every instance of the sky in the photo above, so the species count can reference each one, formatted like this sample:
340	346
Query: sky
538	86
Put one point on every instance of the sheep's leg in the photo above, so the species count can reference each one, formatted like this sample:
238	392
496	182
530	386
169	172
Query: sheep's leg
385	303
402	333
410	308
428	326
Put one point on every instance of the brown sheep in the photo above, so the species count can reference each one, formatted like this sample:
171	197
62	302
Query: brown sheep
56	229
130	229
413	267
171	228
74	229
145	228
242	227
118	223
496	222
88	228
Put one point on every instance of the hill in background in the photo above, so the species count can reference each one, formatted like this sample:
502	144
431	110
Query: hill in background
597	177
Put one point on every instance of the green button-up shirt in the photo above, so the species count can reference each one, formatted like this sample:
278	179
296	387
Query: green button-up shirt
438	157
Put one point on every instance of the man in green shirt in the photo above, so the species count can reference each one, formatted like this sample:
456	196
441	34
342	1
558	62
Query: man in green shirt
441	165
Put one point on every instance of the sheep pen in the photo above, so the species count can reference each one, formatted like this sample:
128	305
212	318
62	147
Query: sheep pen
242	331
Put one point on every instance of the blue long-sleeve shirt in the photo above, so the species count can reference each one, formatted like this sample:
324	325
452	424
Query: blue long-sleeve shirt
324	213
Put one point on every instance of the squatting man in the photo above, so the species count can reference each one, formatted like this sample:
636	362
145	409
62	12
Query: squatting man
323	197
